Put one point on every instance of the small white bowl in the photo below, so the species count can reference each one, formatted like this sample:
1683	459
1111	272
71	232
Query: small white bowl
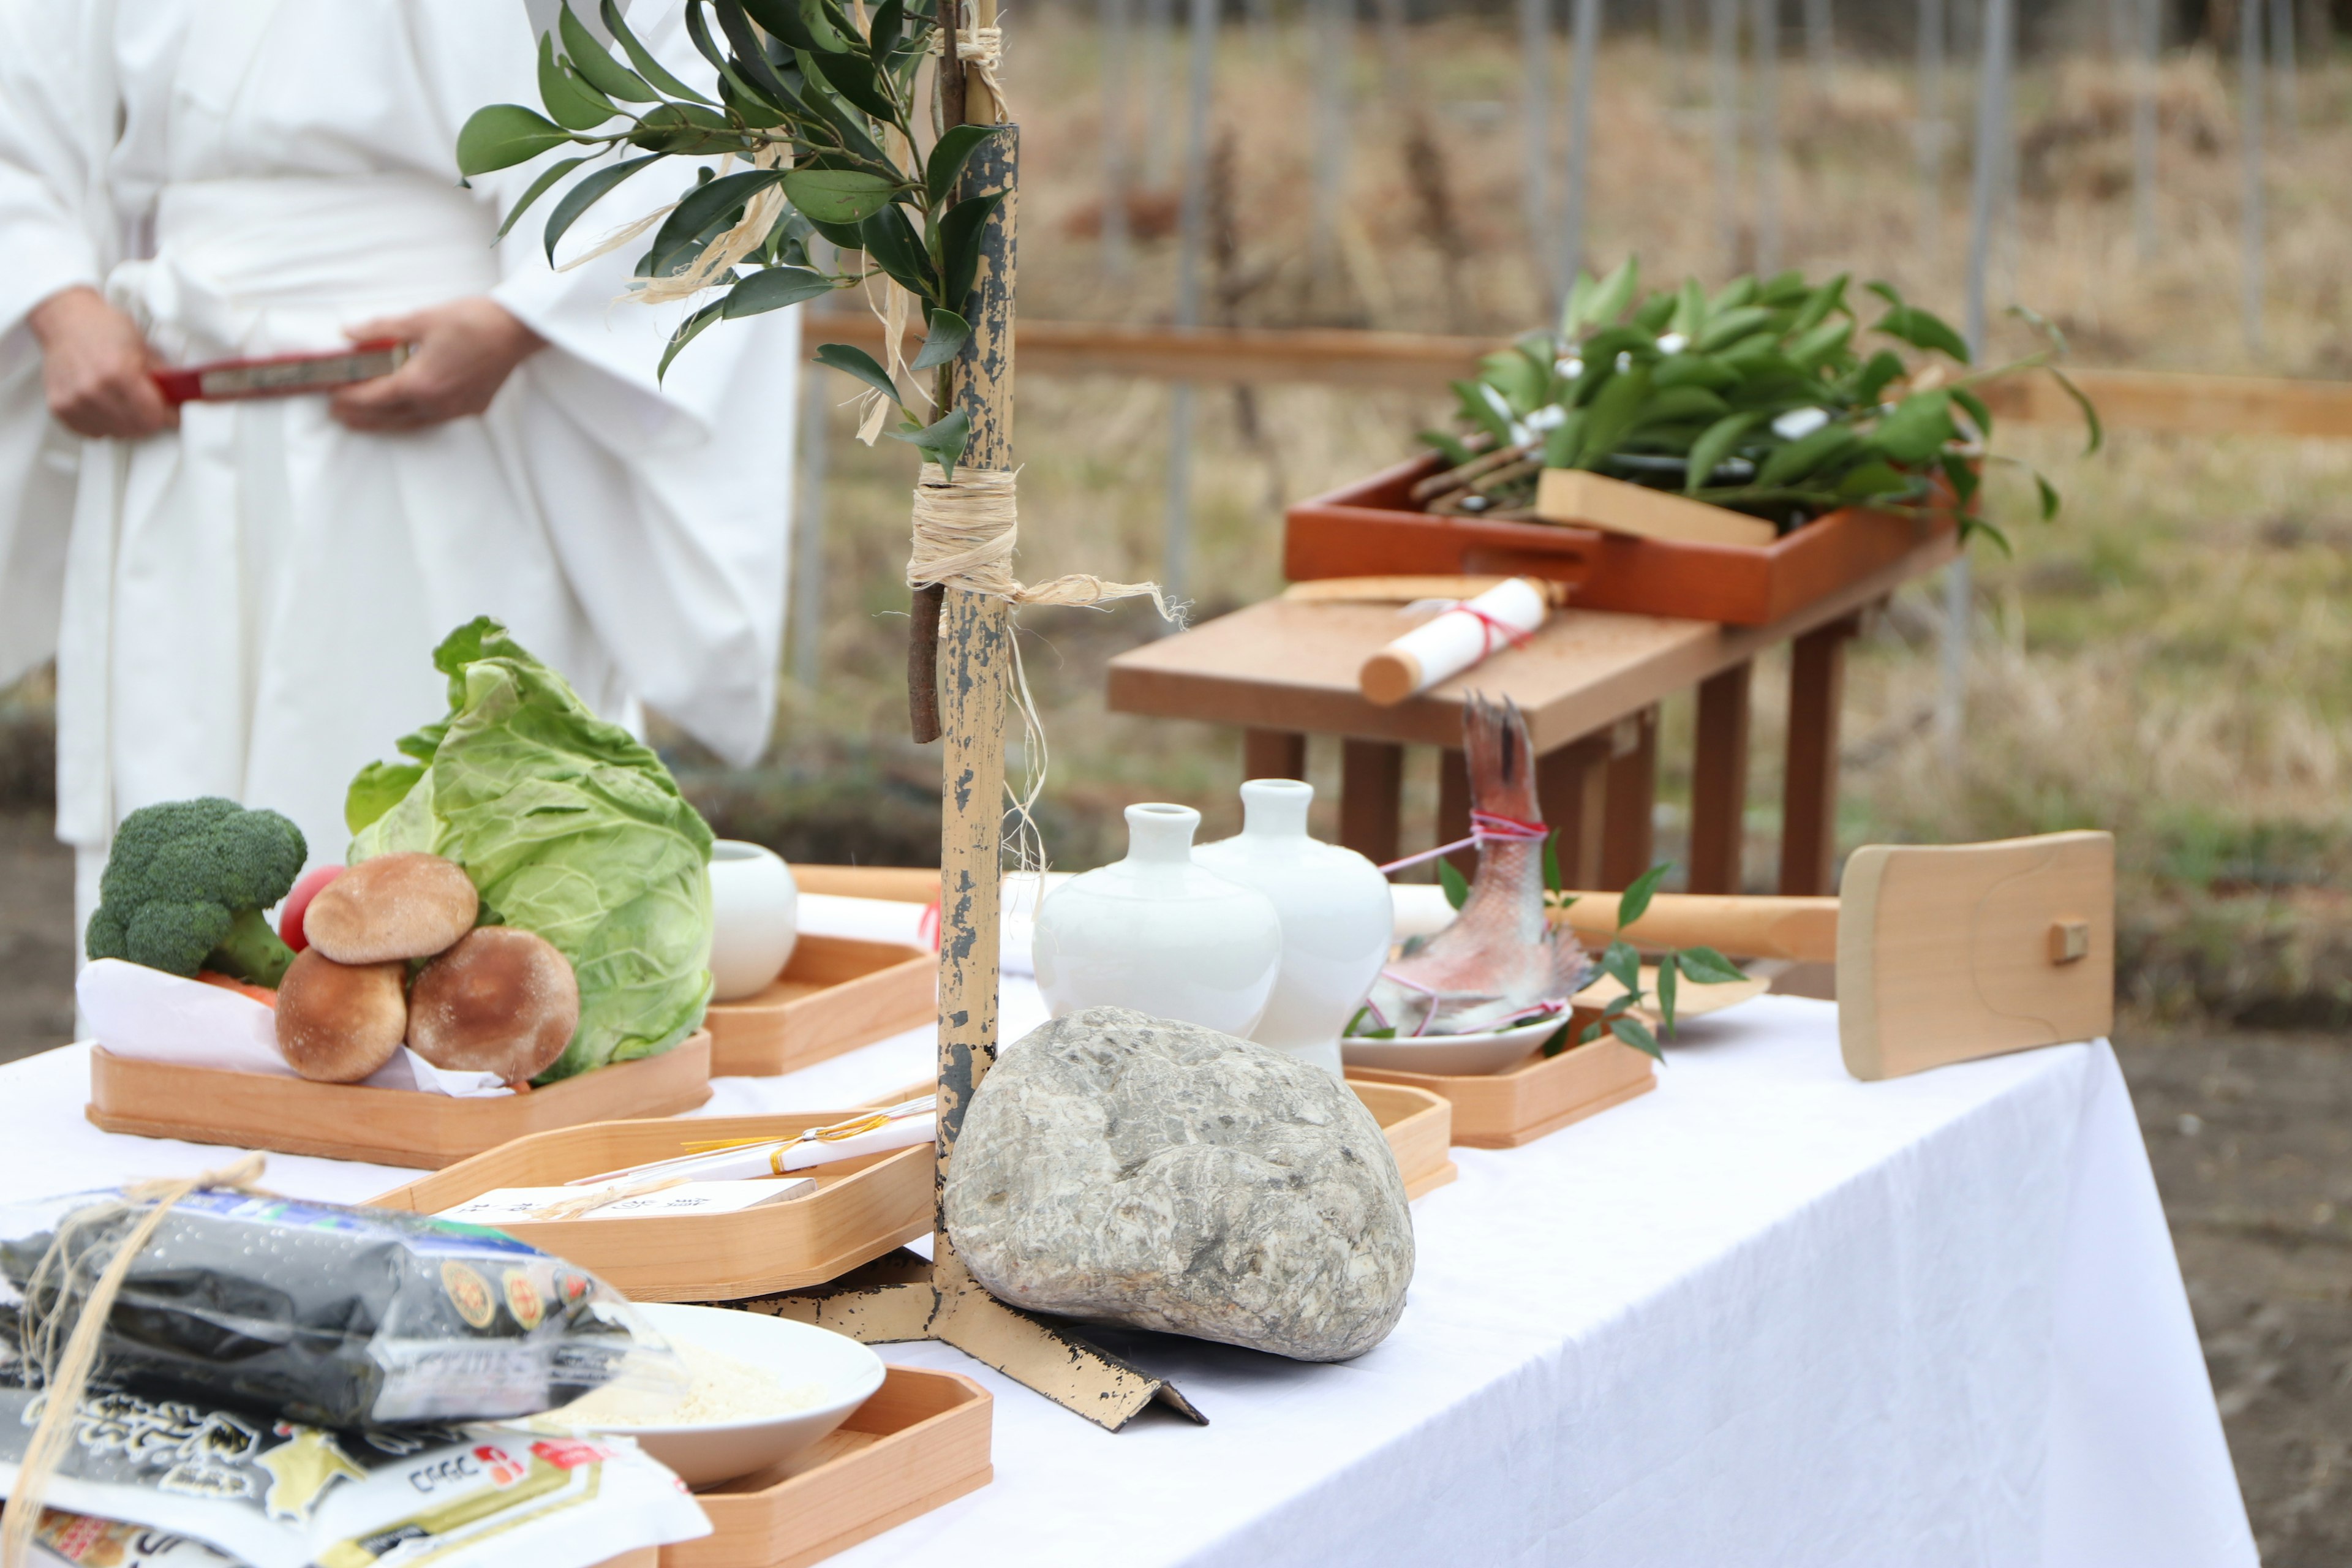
793	1353
1456	1056
755	919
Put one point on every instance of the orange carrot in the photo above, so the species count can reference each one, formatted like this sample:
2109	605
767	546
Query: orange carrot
262	993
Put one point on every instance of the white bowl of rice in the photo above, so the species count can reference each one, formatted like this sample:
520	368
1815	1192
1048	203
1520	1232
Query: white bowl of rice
763	1389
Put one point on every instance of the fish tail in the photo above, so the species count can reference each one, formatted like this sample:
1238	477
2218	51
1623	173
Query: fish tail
1499	757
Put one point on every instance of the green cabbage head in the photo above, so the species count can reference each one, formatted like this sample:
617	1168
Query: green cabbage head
570	828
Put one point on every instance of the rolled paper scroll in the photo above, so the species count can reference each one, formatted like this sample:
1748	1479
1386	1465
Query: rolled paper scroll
1451	642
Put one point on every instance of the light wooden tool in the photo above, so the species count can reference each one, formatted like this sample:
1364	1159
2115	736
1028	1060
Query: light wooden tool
1944	953
1595	500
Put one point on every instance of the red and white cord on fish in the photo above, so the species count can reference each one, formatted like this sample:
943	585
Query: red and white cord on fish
1486	828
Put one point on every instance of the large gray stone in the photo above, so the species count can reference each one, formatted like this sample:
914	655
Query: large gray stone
1128	1169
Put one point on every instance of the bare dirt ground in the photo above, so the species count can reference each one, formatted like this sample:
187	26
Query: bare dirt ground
2251	1135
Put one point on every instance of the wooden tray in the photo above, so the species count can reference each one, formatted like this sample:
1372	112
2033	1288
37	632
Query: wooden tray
1373	527
837	994
861	1209
922	1440
382	1126
1543	1094
1420	1128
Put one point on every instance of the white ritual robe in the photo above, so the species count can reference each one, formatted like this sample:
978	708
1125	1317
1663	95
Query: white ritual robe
250	605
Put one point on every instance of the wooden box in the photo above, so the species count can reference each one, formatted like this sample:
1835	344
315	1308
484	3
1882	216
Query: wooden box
861	1209
1542	1094
922	1440
837	993
1373	527
382	1126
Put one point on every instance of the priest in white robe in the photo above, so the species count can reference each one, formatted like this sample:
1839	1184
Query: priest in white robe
243	599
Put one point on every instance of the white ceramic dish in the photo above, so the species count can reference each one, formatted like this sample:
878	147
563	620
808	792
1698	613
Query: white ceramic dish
794	1353
1456	1056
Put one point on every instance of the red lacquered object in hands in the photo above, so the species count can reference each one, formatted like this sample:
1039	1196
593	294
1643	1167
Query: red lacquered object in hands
280	375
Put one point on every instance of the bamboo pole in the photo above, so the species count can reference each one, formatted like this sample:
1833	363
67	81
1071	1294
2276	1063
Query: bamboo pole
1587	45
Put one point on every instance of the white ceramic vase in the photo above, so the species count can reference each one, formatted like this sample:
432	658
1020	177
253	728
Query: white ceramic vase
755	910
1337	918
1157	933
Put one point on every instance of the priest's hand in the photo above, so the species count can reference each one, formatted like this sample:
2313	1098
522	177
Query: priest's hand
460	353
95	366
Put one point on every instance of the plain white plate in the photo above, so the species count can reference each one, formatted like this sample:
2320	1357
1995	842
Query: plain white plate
795	1354
1465	1056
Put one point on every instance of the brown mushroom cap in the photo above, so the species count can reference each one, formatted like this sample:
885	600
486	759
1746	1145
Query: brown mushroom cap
392	907
337	1023
502	1001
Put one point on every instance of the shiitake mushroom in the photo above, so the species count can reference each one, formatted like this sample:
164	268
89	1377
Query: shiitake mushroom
501	1001
337	1023
394	907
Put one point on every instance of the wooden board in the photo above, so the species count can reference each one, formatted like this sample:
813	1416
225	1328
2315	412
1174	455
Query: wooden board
1420	1129
922	1440
837	994
861	1209
1543	1094
1373	527
898	884
381	1126
1585	500
1947	952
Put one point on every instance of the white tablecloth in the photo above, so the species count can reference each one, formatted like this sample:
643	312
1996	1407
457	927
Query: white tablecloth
1764	1315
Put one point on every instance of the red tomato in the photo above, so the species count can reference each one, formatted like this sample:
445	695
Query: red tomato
290	918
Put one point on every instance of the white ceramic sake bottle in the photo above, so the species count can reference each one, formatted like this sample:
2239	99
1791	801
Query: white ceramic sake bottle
1160	934
1337	918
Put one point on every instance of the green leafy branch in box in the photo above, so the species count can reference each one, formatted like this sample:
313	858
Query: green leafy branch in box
821	108
1765	397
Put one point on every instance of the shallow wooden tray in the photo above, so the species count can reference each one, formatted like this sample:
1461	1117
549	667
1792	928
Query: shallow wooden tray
1543	1094
861	1209
381	1126
837	993
1374	527
922	1440
1420	1128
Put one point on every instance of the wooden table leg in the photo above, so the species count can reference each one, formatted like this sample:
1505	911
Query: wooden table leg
1719	783
1454	808
1571	786
1371	795
1629	834
1272	755
1808	794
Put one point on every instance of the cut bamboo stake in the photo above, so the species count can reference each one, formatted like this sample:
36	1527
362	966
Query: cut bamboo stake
1535	142
902	1297
2250	136
1587	45
1722	91
1767	46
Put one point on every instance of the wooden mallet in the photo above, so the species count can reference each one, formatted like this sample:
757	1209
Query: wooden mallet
1944	952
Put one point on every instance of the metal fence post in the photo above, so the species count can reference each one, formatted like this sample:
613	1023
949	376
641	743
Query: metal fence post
1587	44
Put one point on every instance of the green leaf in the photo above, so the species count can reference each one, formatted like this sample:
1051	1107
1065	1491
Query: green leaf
1728	327
1739	292
1477	411
1561	441
1872	480
1688	369
1612	415
570	100
949	155
1447	445
948	335
837	195
1623	965
376	789
1635	901
1782	289
1590	1033
856	362
503	135
1979	415
643	58
1667	984
1819	347
1592	304
960	232
1818	305
1920	427
892	244
1883	368
1551	860
1652	314
553	172
2090	414
781	19
746	66
1677	405
1636	1034
596	67
821	27
1690	310
882	34
1457	888
1620	1004
851	74
943	441
1705	966
1716	443
2049	502
685	129
591	189
1522	383
1557	1041
688	331
1921	330
1800	458
1962	474
703	206
774	288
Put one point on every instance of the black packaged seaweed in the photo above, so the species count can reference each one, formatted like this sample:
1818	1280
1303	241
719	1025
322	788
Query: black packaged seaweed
336	1315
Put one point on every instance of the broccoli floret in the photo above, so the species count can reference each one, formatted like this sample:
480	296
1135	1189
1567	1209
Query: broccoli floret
185	884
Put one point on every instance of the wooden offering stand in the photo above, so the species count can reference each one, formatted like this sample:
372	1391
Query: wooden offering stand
835	994
380	1126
